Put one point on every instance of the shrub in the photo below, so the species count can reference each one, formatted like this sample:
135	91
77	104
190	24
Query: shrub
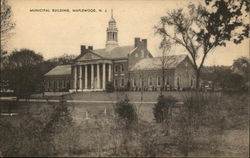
126	111
110	87
162	108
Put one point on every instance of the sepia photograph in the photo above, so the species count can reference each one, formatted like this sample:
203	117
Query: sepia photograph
123	78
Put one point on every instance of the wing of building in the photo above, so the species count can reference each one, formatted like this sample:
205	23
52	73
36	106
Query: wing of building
127	67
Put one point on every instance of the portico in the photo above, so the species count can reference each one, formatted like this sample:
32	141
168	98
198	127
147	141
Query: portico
91	76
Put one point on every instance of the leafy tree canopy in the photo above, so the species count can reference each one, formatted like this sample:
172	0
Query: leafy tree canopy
200	29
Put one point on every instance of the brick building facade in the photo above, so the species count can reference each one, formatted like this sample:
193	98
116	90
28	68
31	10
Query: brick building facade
131	67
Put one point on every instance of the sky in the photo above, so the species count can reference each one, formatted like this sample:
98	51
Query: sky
53	34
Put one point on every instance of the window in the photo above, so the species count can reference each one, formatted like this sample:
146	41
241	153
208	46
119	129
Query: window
122	68
178	82
68	84
122	82
116	68
134	82
158	81
57	83
52	84
63	83
150	81
60	83
115	82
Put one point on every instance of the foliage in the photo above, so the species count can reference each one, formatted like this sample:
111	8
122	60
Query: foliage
48	133
63	60
7	23
225	78
126	111
204	116
22	71
241	66
201	29
163	107
200	110
165	47
110	87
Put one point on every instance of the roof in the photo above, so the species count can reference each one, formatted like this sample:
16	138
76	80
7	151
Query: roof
117	52
155	63
60	70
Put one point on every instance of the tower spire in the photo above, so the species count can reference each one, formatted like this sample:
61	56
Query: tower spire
112	33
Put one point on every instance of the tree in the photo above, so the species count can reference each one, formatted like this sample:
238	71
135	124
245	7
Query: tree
217	74
201	29
162	111
62	60
7	23
165	46
241	66
23	71
110	87
126	112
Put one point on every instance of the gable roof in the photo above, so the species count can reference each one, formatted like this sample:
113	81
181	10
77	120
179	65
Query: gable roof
117	52
155	63
59	70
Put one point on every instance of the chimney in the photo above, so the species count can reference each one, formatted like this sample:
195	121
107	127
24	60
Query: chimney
137	41
90	47
144	42
83	48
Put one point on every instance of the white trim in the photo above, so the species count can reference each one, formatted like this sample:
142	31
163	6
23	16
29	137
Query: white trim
120	61
132	50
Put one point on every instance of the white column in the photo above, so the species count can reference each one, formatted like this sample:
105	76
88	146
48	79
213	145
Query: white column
86	76
92	76
103	76
75	77
98	77
80	78
109	72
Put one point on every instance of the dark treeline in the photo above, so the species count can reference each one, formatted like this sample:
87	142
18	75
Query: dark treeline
232	78
23	70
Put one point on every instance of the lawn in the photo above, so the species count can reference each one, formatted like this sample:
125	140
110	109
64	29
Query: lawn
133	96
90	121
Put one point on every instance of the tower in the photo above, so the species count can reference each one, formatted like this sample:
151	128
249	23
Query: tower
112	34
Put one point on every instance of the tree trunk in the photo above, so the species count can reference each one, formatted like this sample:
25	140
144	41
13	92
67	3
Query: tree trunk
197	85
163	81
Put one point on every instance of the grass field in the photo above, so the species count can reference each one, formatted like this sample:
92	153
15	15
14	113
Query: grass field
234	140
133	96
